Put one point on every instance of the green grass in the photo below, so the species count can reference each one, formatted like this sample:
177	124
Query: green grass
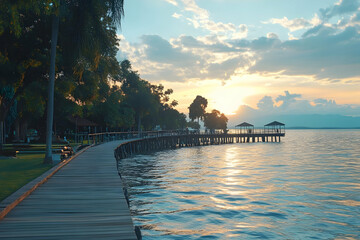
39	146
16	172
29	147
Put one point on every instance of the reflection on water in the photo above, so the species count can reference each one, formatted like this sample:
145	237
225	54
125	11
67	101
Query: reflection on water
304	187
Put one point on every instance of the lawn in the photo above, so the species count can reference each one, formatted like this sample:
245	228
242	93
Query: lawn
29	147
16	172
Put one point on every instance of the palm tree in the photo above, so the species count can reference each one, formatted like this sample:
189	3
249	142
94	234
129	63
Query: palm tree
93	12
50	105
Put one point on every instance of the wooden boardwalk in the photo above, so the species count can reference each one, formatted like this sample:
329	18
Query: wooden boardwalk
84	200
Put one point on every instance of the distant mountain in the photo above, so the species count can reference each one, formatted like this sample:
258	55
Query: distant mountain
259	119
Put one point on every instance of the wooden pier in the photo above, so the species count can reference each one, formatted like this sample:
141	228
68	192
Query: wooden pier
171	141
84	200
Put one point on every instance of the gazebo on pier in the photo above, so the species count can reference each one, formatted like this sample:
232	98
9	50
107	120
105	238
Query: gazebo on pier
274	127
245	128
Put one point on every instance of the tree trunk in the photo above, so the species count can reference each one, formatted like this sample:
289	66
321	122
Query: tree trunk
17	130
23	130
139	126
2	131
4	109
50	104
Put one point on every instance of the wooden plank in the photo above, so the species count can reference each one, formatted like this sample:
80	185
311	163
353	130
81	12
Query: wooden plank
83	200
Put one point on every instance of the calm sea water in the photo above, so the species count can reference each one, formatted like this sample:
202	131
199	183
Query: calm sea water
306	187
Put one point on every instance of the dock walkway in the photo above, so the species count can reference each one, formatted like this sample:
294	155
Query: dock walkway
84	200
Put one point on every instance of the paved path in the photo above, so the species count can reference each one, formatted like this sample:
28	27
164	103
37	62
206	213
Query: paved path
84	200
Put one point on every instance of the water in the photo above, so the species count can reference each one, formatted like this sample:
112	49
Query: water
306	187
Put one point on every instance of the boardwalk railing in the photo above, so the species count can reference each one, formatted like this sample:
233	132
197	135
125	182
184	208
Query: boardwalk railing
250	135
157	143
257	131
96	138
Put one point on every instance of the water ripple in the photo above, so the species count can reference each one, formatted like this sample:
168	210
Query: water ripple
306	187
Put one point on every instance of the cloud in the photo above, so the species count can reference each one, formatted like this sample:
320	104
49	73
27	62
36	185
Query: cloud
323	52
343	8
173	2
293	103
296	111
266	104
324	102
160	50
185	58
287	99
176	15
353	21
200	18
214	45
264	43
272	35
225	69
356	18
295	24
340	8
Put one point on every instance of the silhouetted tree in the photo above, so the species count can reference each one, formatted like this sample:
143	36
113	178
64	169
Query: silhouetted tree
192	124
197	108
215	120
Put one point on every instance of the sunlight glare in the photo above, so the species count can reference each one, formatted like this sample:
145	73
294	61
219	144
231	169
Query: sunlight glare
228	99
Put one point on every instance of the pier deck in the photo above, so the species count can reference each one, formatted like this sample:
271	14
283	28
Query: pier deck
84	200
171	141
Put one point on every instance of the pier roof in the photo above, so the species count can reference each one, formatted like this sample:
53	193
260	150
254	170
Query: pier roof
244	124
275	123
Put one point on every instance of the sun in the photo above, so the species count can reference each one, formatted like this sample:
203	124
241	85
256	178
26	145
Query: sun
228	99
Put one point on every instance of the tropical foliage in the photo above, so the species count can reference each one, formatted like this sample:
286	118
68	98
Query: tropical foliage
90	82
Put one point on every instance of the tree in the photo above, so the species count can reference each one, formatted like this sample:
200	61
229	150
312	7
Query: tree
6	94
22	46
171	119
89	12
85	53
138	93
197	108
50	103
167	117
113	112
194	125
215	120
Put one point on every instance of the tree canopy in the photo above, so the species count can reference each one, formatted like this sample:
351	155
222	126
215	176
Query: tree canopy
197	108
215	120
90	82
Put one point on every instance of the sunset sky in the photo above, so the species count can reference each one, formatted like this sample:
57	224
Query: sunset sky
236	52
